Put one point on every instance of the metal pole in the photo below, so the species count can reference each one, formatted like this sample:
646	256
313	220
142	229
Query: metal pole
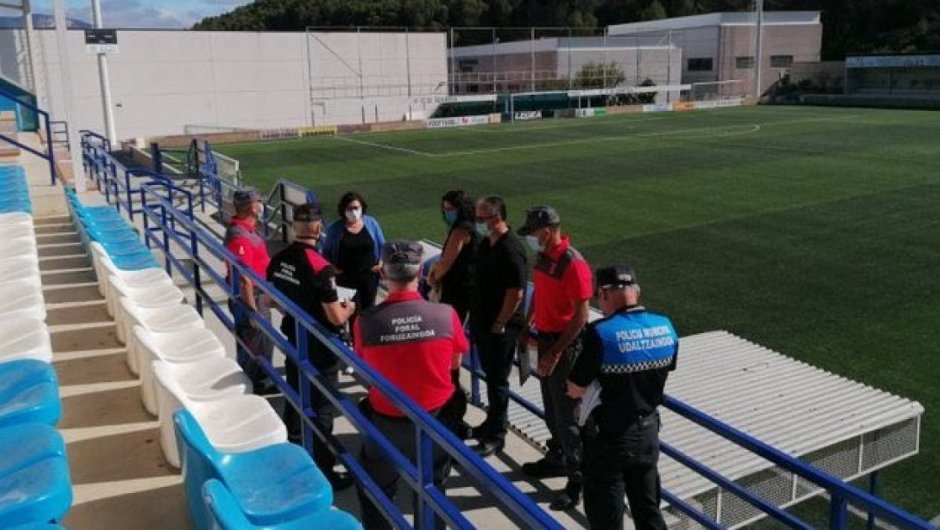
532	59
68	99
758	59
408	62
873	489
104	79
30	60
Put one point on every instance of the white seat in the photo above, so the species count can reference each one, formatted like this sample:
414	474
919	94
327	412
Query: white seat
13	218
166	318
19	269
22	299
17	230
104	267
232	423
172	347
23	337
18	247
132	286
144	295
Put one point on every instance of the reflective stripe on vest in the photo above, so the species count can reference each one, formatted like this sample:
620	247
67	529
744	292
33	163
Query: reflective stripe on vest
636	341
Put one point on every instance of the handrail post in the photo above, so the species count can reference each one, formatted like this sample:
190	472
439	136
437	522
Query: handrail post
197	271
143	203
127	191
838	511
474	376
873	489
307	434
45	117
424	514
166	240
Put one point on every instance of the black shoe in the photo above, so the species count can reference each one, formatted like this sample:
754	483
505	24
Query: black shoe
340	480
265	388
544	468
464	431
490	446
566	500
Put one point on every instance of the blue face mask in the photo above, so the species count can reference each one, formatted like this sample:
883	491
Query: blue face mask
483	229
534	244
450	217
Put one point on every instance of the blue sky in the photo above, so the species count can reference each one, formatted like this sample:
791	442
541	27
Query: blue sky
145	13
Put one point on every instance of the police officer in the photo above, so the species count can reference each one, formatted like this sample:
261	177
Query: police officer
624	362
242	240
559	311
414	344
309	280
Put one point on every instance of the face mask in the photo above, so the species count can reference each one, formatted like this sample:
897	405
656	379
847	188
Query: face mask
534	244
354	214
483	229
450	217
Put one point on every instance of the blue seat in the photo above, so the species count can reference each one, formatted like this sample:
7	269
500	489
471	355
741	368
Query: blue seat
38	493
273	485
22	445
226	514
29	393
38	526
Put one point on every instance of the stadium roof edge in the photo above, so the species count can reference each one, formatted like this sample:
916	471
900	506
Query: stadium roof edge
771	18
559	44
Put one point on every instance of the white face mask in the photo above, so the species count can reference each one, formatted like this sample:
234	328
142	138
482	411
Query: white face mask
354	214
534	244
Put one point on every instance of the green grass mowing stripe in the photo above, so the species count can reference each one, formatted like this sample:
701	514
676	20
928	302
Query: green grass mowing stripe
816	236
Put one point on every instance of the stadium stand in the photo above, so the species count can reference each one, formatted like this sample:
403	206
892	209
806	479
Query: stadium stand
35	488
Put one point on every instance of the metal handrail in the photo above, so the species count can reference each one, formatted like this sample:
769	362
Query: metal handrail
429	430
50	156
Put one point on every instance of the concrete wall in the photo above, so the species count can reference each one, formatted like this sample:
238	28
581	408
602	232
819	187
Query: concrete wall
164	81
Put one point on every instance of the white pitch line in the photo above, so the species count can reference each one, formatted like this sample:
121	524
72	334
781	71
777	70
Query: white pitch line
752	128
385	146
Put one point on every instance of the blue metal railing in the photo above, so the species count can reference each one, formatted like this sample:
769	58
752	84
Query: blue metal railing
185	234
177	226
48	157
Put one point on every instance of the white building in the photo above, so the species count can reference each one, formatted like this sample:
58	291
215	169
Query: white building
721	46
165	82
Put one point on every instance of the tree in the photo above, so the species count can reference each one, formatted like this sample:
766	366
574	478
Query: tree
654	11
599	75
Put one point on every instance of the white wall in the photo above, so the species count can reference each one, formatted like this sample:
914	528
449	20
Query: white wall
162	81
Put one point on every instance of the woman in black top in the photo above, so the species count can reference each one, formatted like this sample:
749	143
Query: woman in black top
453	273
353	245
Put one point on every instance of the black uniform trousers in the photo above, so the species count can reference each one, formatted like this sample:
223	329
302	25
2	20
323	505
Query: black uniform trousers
401	433
496	353
256	340
618	463
565	446
325	362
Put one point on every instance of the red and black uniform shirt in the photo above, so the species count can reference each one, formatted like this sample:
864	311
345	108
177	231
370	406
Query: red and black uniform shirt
412	343
562	277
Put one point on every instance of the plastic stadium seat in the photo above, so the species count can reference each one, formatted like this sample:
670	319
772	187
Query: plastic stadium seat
28	393
16	218
104	264
21	246
38	526
225	513
21	269
166	318
40	492
172	347
24	338
233	423
143	295
22	445
17	230
273	484
23	299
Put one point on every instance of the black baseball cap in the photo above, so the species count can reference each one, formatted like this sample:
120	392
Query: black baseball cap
308	213
402	252
539	217
615	276
244	197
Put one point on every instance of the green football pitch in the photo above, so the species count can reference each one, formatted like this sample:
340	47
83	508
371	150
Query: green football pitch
813	231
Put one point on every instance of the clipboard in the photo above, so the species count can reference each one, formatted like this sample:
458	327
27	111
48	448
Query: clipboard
528	360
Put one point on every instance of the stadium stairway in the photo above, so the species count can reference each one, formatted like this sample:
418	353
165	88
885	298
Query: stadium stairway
120	476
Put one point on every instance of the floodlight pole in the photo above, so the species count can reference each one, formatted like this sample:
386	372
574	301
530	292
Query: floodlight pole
758	51
104	79
68	98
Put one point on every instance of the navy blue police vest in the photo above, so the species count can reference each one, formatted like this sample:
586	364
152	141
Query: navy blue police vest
636	341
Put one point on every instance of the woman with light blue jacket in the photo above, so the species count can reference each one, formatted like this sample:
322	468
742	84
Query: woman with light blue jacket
354	246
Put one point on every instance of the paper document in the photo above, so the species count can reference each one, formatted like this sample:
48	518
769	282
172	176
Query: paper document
590	400
528	361
345	294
